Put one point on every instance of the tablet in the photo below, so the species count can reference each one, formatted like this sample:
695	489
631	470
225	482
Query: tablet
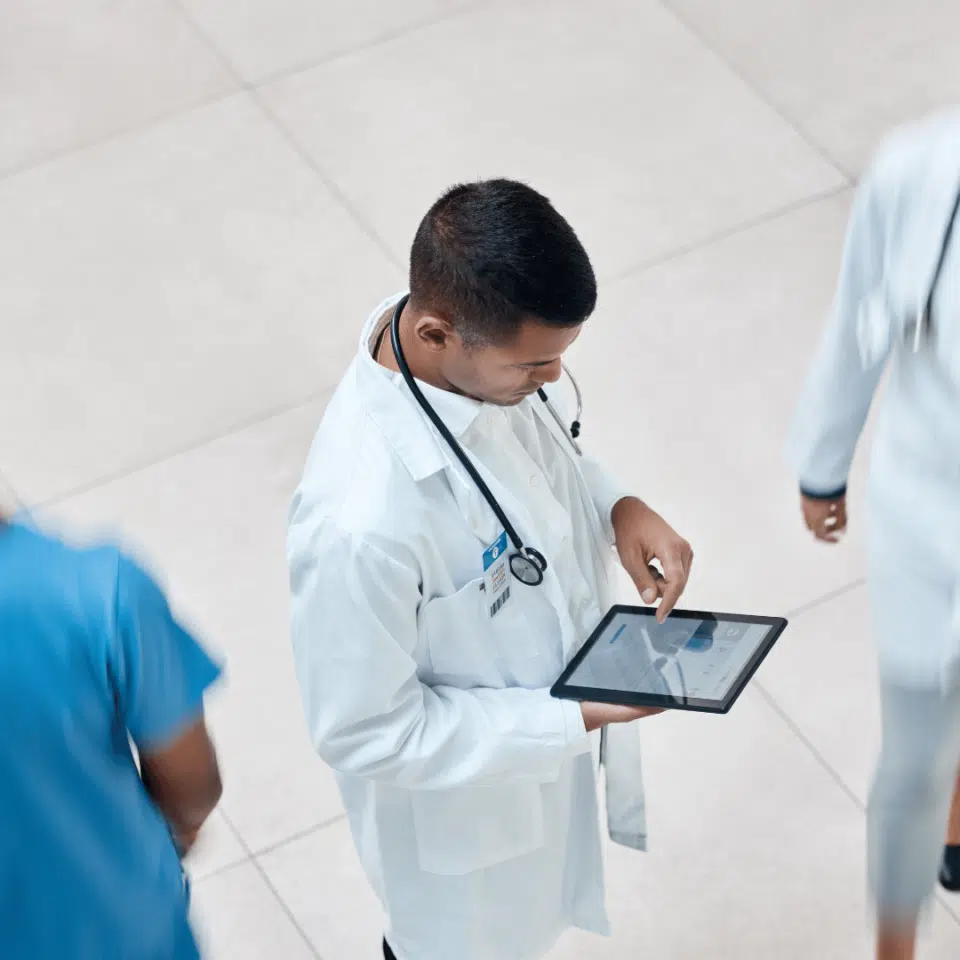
693	661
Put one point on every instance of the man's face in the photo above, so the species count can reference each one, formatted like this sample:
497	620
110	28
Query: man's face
504	374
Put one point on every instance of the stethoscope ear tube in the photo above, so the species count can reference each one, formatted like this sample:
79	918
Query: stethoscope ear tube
925	319
526	564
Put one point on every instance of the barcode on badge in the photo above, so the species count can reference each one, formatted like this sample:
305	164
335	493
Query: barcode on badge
500	601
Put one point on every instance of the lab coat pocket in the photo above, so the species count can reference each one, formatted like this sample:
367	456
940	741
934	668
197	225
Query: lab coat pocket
465	643
474	827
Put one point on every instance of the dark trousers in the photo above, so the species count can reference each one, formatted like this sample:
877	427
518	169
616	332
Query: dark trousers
387	952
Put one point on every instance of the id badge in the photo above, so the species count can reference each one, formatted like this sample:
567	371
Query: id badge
496	579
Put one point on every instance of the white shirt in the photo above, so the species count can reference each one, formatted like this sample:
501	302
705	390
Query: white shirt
896	230
470	791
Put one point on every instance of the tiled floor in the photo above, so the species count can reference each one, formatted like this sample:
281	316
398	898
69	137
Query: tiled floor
201	200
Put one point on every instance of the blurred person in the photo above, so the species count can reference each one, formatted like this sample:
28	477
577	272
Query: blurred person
91	658
470	791
897	308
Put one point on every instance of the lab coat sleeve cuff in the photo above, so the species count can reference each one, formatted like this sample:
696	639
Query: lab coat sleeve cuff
575	730
811	492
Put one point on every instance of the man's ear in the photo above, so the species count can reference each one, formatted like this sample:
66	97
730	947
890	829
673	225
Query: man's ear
434	333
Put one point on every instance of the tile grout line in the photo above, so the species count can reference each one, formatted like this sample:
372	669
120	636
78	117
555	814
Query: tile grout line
190	447
234	429
242	87
249	854
827	597
82	146
744	226
808	744
284	906
8	488
300	835
331	185
708	45
834	775
415	26
255	96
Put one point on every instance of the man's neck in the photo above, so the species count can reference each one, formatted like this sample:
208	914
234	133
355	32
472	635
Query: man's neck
417	359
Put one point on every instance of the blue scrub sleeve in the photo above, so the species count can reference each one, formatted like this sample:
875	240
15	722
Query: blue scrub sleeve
162	671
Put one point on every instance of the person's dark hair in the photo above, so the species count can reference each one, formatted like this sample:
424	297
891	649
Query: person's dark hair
488	255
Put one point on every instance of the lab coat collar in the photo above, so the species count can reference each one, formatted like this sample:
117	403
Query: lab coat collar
396	412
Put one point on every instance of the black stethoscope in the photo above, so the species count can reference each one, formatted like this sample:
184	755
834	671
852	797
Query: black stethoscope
923	322
526	564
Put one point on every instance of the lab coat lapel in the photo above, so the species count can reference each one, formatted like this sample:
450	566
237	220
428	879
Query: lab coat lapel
599	544
925	223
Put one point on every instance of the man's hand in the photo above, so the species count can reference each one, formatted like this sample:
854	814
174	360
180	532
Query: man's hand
642	537
825	519
596	715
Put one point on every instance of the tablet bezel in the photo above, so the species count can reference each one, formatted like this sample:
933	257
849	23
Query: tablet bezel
564	691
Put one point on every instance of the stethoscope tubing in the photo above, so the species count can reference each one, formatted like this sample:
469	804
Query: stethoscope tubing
527	564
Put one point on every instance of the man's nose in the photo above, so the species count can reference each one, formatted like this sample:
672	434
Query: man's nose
551	373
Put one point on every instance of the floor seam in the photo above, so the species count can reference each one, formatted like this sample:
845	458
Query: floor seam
241	86
256	97
416	26
172	454
83	146
760	94
827	597
328	182
284	906
300	835
834	775
727	233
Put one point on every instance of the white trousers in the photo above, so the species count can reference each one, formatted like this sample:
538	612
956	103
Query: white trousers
914	581
910	801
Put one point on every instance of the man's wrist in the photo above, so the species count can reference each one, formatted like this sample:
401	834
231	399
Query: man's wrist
625	507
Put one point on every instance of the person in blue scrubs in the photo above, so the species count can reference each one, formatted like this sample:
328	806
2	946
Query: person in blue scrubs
92	662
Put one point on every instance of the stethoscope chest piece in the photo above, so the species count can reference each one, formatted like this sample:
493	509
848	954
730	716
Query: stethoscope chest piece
528	566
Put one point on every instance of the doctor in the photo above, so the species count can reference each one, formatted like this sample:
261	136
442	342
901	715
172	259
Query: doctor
431	613
898	306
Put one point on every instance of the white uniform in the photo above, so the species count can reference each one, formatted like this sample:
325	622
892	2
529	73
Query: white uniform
470	791
898	225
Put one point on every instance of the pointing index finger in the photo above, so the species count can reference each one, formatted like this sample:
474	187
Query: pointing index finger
675	577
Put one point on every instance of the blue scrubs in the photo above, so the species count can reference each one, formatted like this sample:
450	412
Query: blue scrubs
90	658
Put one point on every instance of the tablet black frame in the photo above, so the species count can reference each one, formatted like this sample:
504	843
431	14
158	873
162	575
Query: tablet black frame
563	691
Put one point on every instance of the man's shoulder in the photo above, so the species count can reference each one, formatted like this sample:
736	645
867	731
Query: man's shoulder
907	152
354	477
45	556
59	585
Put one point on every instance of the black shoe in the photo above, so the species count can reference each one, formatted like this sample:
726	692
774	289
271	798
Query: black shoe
950	868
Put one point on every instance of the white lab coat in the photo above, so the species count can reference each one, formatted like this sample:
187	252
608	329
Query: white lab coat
897	225
470	791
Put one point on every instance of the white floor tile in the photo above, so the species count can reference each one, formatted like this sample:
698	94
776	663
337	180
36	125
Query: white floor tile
321	881
237	917
265	37
644	141
168	286
756	852
824	677
844	72
79	71
690	374
213	521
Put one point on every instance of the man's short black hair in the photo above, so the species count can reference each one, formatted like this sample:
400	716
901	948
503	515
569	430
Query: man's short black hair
490	254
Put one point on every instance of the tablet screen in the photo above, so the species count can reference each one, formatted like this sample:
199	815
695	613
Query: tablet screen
687	658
